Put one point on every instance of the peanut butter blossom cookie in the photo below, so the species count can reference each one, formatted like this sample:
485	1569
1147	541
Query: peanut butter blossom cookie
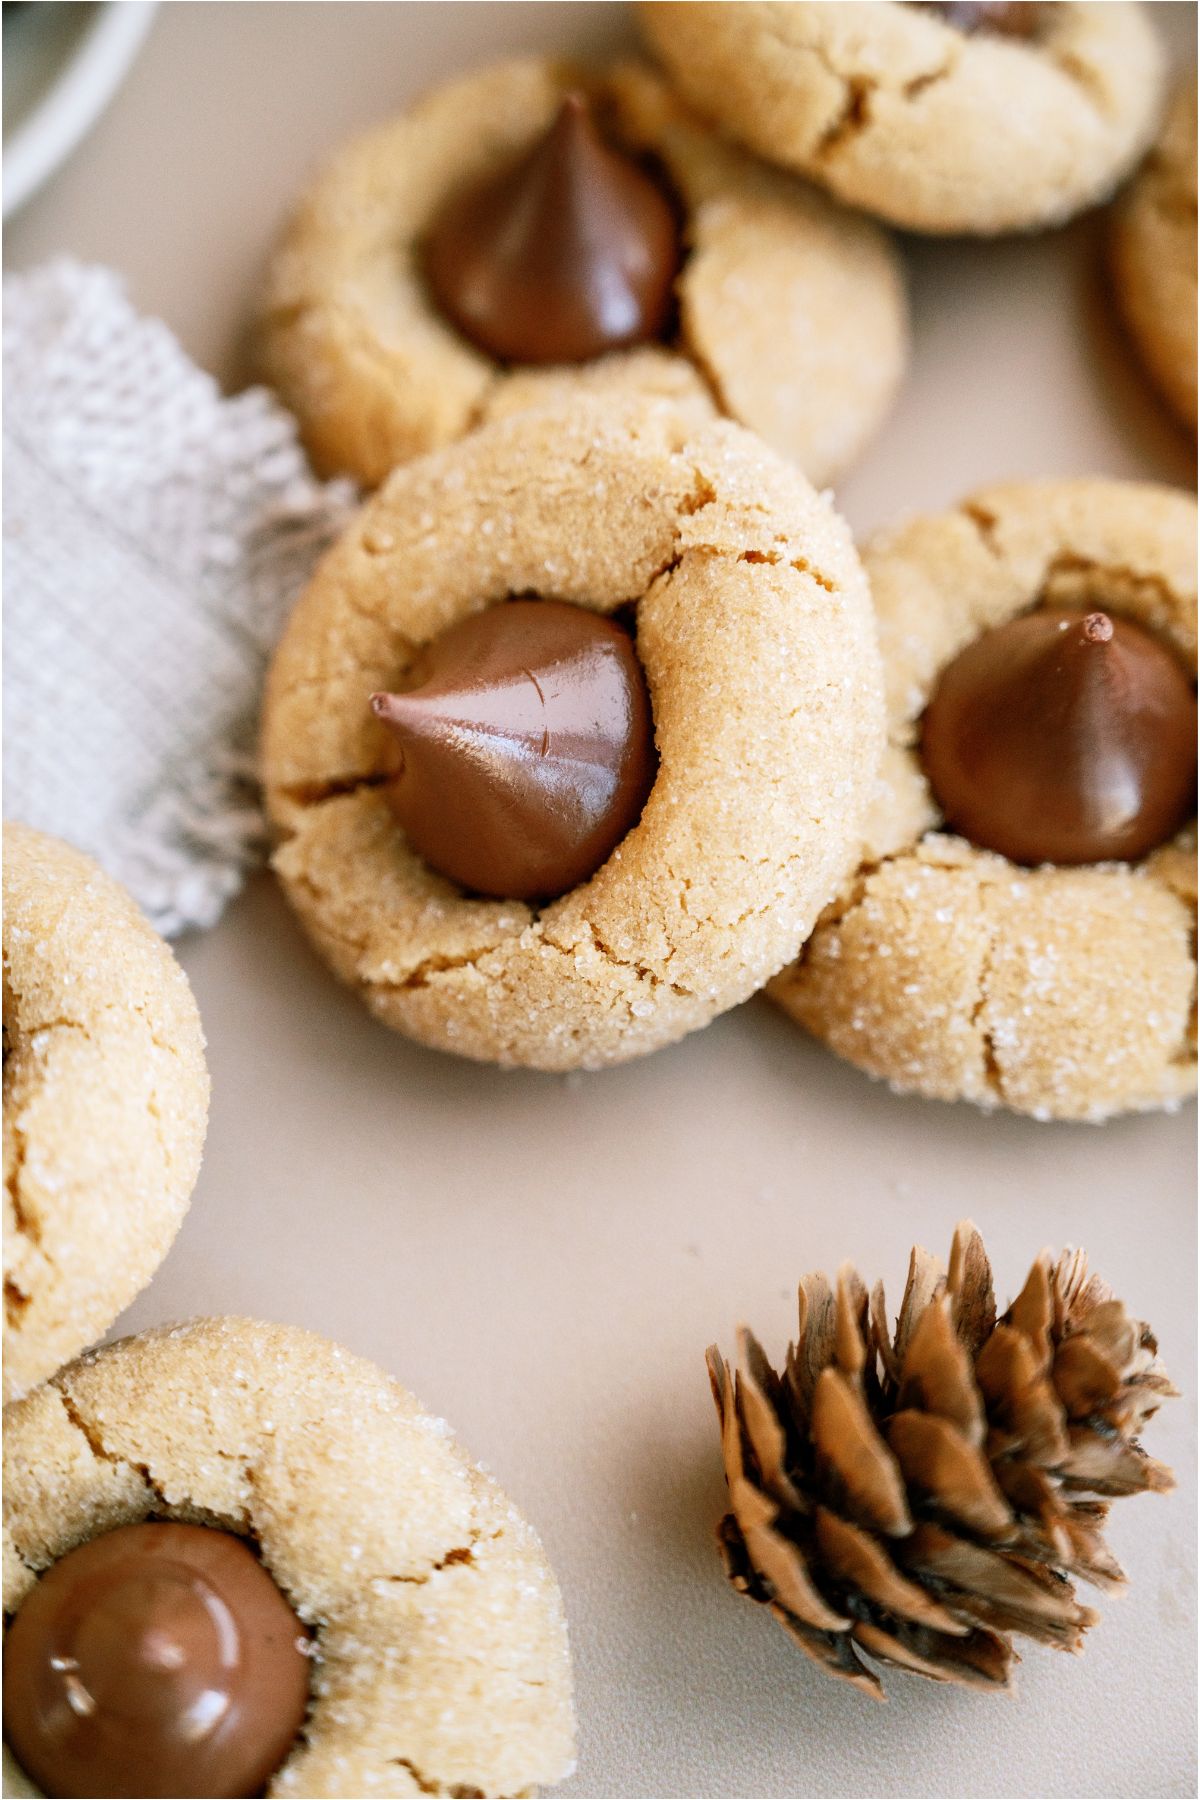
1152	249
571	736
1021	929
239	1560
940	118
533	229
105	1103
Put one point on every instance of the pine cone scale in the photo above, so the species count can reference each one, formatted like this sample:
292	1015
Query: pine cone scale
996	1589
834	1652
856	1558
757	1392
979	1660
938	1375
779	1562
937	1461
1111	1466
856	1459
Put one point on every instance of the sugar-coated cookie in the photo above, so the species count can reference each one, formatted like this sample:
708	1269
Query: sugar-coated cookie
940	119
105	1102
1152	247
949	970
753	626
438	1650
790	312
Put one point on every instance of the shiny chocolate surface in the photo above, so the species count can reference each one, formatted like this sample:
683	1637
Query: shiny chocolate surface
1063	737
572	253
157	1659
525	753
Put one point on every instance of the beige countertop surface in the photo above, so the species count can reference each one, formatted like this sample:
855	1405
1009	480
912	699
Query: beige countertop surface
543	1259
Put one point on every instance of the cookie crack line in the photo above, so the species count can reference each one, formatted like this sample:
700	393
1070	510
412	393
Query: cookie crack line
801	565
143	1011
855	890
426	1786
24	1222
645	974
422	975
28	1032
15	1300
315	793
1084	79
140	1009
426	972
986	524
853	119
99	1449
243	1524
858	90
993	1074
1069	562
919	84
462	1556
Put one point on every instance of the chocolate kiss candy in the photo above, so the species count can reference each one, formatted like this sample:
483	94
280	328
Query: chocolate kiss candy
157	1659
1008	18
527	750
1063	737
571	253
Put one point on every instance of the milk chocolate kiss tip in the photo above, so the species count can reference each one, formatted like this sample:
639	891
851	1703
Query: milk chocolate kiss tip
155	1659
569	254
1063	737
526	752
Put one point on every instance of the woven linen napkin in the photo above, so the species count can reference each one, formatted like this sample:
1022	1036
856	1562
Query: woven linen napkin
155	537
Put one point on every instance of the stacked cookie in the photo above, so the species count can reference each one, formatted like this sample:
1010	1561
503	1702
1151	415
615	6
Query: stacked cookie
592	725
558	303
235	1556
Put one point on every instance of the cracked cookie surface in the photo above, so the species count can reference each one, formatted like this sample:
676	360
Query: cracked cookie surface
1152	248
442	1664
896	111
754	629
792	312
947	970
105	1102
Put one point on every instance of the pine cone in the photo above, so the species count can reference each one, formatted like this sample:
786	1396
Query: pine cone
921	1498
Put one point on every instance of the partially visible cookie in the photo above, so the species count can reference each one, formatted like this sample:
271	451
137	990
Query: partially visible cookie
790	313
105	1102
439	1656
1152	246
937	118
946	969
